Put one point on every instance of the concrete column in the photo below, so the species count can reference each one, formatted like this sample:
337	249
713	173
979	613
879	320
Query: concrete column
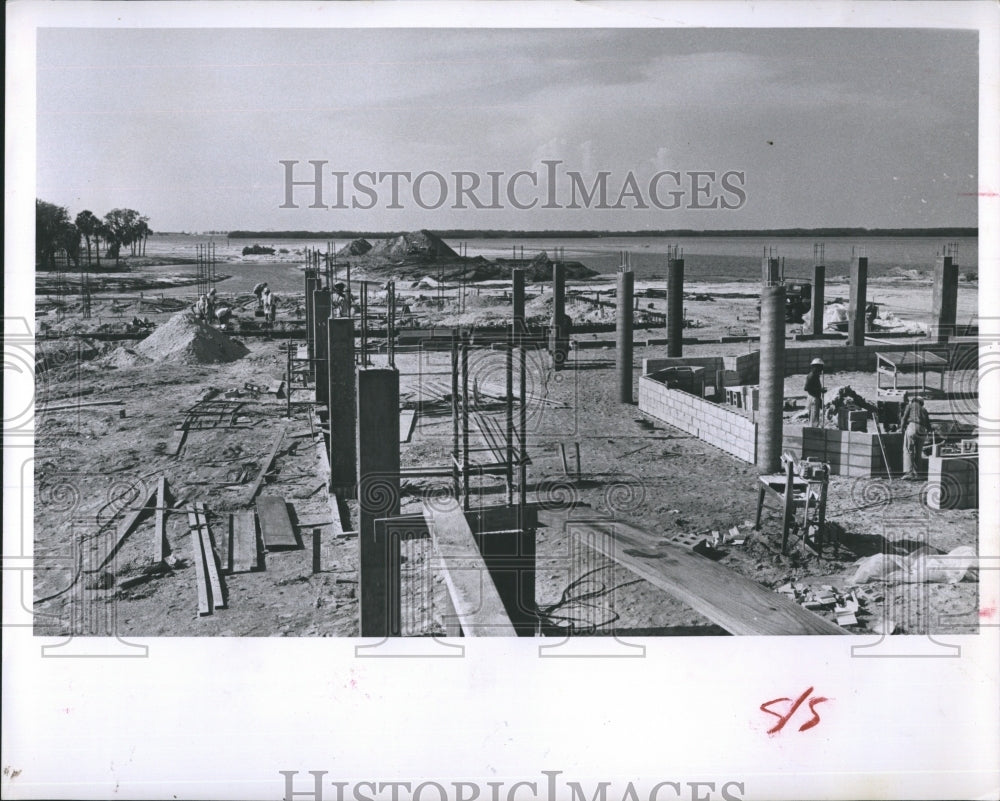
819	288
772	377
378	496
341	399
626	285
558	343
517	292
944	308
858	301
320	318
311	281
675	307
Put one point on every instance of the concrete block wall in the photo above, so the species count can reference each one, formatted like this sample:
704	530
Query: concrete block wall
711	423
953	482
849	453
710	363
844	358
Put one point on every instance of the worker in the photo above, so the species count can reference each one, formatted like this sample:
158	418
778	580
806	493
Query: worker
871	314
258	290
201	307
340	302
916	425
814	389
210	305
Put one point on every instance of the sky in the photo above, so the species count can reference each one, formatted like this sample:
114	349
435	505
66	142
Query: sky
814	127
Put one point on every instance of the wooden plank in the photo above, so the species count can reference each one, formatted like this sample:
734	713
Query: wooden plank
160	528
198	556
266	466
176	441
72	407
477	603
275	524
735	603
124	529
407	419
214	582
244	541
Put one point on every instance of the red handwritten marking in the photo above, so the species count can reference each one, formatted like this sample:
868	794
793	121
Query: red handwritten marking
988	612
979	194
783	719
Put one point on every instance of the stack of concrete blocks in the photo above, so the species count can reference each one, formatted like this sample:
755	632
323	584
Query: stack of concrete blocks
717	425
849	453
953	482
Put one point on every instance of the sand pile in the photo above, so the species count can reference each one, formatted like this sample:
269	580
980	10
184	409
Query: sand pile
186	339
422	245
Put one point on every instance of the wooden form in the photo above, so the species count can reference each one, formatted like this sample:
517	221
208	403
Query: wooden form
729	600
377	415
487	559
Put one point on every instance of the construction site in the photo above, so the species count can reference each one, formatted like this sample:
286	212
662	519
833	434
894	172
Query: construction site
347	470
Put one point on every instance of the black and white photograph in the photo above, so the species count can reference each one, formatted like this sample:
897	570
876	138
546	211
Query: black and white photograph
431	343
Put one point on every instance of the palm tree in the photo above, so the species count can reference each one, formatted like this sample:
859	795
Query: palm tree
88	225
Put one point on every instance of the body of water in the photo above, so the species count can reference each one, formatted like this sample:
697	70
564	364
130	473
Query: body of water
706	258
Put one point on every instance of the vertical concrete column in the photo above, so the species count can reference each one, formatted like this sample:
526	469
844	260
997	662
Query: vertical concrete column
819	289
517	291
675	307
321	317
626	285
311	281
772	377
558	344
378	496
858	301
341	392
944	309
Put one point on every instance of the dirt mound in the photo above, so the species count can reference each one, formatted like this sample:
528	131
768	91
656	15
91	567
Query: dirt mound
186	339
359	247
414	245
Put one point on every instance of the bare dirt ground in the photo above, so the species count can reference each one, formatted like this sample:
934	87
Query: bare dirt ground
89	461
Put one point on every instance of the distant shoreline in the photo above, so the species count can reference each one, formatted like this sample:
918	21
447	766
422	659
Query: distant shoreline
593	234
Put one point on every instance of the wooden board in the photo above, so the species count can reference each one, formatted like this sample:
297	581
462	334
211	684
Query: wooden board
98	560
275	524
244	541
477	603
198	557
266	466
211	558
159	550
407	418
735	603
176	441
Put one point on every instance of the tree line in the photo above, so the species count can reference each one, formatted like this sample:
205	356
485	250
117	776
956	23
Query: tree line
118	229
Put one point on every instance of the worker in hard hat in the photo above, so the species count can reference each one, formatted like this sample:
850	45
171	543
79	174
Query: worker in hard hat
915	425
814	389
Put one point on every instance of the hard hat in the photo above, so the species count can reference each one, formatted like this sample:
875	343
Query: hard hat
814	362
340	285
